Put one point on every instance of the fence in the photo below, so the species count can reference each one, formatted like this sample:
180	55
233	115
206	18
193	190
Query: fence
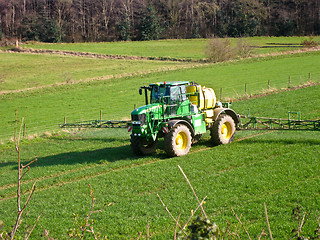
258	87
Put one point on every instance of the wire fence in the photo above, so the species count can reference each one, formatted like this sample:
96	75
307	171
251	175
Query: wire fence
42	123
261	86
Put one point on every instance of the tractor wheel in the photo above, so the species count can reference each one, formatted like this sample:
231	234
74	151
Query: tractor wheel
140	146
223	130
177	141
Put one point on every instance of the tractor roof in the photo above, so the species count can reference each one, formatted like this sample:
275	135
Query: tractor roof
175	83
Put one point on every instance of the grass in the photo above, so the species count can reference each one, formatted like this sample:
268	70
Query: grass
279	168
22	71
178	48
44	109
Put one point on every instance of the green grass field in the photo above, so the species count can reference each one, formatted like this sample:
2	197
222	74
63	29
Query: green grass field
175	48
279	168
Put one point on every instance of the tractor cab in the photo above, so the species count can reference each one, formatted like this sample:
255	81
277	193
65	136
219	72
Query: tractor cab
169	93
172	94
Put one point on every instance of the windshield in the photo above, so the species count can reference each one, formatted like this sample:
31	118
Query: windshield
172	93
158	92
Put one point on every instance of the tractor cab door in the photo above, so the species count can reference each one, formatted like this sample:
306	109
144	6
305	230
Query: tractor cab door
178	95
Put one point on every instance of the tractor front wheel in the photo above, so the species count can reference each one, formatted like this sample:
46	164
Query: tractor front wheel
223	130
140	146
177	141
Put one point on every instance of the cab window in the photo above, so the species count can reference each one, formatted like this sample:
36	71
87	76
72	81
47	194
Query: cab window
158	92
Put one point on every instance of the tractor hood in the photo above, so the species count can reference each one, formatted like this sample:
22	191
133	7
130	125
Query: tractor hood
154	107
146	114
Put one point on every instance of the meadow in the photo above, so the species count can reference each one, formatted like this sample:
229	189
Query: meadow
174	48
279	168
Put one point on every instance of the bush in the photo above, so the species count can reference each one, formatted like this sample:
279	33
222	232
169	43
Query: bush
219	50
309	43
243	49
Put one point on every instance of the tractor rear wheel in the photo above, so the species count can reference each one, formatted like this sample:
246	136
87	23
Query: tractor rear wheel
223	130
177	141
140	146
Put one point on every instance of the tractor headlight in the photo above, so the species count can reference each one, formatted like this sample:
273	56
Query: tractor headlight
138	119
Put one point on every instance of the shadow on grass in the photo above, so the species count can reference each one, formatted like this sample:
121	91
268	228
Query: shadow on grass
101	155
79	157
82	151
306	142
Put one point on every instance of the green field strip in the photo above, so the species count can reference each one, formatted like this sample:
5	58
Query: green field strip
174	48
60	178
99	172
29	71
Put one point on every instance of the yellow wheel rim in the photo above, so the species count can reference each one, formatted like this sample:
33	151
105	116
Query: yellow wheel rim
181	141
226	131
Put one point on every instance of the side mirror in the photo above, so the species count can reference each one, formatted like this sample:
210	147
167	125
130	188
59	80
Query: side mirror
140	91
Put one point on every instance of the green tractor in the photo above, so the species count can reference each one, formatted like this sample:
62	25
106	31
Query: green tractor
180	112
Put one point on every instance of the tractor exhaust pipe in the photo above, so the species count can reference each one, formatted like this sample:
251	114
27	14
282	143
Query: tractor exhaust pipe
145	93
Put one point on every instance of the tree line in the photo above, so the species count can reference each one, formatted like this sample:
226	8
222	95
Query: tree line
111	20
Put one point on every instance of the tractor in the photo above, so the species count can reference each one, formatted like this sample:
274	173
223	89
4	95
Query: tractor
180	112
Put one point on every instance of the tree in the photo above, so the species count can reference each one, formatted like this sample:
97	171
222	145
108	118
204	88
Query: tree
1	34
39	28
150	28
240	18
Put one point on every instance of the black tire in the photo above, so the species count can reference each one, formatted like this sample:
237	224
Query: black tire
223	130
140	146
177	141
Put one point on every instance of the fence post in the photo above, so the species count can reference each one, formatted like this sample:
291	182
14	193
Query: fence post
220	94
100	114
245	88
24	130
134	106
309	76
289	84
268	84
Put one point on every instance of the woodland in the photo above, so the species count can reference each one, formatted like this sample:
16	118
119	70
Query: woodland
138	20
